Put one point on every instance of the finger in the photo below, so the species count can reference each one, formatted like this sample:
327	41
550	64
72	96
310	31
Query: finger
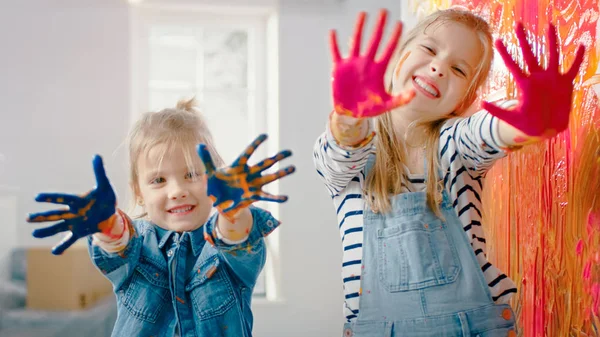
553	48
503	114
100	173
333	45
59	198
62	226
399	100
269	178
267	163
54	215
392	44
511	65
574	70
530	59
64	244
356	39
377	35
264	196
243	158
204	155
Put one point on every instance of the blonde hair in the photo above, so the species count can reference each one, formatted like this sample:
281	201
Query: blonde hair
181	127
382	181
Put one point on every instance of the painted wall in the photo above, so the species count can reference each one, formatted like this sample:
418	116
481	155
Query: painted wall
543	202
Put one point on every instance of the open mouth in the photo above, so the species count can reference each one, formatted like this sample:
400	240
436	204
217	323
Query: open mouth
426	87
181	210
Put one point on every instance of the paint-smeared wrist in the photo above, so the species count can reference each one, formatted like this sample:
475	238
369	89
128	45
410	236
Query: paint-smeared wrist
349	131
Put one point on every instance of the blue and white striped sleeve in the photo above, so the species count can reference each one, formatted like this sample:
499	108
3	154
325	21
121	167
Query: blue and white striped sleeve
336	164
475	140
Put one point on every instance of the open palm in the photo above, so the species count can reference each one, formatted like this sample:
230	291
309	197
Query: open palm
239	185
358	80
84	215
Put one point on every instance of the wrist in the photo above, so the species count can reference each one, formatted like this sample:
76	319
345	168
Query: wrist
348	131
114	226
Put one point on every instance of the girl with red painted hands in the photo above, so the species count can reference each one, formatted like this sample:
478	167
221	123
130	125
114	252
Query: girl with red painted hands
405	169
176	269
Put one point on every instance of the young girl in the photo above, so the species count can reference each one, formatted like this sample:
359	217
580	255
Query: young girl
405	173
168	281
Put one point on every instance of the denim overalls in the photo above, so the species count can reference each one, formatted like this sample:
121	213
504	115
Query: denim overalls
420	277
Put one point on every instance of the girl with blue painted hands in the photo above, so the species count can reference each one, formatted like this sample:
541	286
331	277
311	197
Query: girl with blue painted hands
175	269
405	169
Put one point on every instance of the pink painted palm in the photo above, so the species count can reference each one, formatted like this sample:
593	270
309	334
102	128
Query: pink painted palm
358	88
545	95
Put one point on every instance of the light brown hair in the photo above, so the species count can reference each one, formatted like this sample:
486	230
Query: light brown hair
182	127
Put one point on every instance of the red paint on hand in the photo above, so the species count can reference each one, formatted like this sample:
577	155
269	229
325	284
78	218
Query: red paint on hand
545	95
358	80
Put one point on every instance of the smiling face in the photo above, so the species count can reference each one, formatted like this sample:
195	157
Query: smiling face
172	188
440	63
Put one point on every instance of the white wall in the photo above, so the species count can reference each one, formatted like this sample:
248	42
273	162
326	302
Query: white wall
64	92
64	95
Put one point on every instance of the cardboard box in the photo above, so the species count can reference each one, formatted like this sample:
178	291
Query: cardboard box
64	282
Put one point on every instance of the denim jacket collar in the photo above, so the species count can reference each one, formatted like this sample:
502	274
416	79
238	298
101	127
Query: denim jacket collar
196	237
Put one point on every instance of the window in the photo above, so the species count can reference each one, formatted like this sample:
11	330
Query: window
220	57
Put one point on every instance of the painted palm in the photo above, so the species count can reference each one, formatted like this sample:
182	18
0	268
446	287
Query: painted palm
536	114
84	215
239	185
358	80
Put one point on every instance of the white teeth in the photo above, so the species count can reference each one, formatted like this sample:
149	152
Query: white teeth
426	87
181	210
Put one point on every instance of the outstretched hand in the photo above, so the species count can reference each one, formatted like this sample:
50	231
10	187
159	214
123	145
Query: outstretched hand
239	185
545	95
358	80
84	215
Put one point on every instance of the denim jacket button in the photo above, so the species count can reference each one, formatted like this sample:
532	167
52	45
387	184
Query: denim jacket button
348	332
270	223
170	253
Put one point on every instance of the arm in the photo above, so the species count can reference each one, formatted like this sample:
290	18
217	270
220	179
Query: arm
338	164
246	257
475	140
116	257
358	95
238	229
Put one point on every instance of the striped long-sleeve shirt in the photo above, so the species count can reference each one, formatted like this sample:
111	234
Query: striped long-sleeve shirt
467	149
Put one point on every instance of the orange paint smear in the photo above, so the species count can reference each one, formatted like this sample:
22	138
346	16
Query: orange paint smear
400	63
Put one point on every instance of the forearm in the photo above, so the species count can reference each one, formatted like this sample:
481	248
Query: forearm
114	234
246	257
349	131
237	230
513	137
337	164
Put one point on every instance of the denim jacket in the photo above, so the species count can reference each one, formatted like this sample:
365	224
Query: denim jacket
167	282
